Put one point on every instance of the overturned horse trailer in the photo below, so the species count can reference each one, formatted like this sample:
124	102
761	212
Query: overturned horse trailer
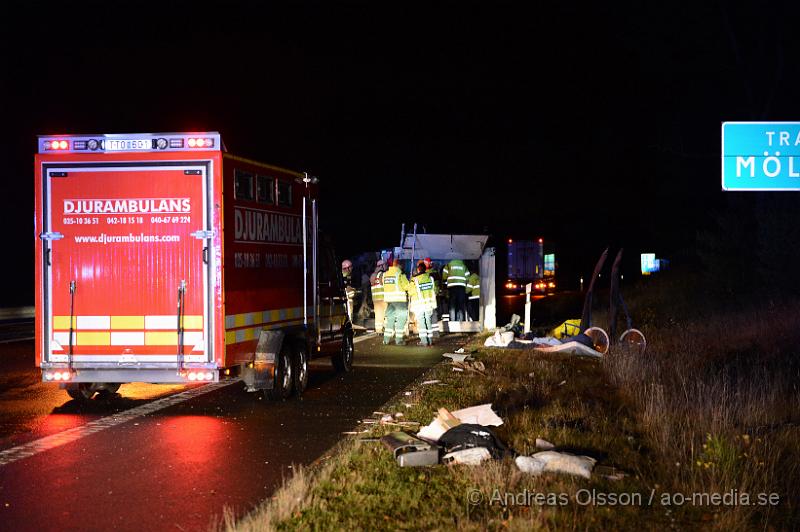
442	248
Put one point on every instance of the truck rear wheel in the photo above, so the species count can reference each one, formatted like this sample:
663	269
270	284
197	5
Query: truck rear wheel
282	384
300	368
343	360
83	391
107	390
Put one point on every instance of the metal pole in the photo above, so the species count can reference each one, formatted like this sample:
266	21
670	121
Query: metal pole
305	264
314	266
71	318
411	267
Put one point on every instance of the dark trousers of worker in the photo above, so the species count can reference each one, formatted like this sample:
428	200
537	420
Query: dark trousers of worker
473	308
458	303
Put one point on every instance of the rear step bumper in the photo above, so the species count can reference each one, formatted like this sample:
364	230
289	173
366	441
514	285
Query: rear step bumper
135	375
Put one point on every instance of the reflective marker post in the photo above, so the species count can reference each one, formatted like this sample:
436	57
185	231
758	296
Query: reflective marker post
527	327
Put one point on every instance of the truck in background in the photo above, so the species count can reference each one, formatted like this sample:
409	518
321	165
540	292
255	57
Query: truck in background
162	258
526	263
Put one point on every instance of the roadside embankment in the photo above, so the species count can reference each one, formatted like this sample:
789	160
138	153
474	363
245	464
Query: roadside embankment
698	432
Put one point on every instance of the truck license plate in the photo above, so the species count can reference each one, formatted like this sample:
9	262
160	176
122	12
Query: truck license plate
128	144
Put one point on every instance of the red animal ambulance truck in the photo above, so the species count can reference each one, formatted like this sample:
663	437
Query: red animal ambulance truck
162	258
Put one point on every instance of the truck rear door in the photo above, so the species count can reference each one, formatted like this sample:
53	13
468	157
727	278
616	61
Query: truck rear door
125	251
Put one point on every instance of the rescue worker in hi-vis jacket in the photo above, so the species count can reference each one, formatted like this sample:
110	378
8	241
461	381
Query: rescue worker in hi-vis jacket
376	286
473	296
422	301
395	290
454	275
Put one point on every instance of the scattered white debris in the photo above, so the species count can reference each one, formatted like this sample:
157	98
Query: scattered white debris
473	456
460	350
458	369
455	357
478	415
499	339
562	383
544	445
556	462
434	381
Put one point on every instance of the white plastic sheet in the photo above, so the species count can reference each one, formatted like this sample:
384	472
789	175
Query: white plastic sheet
556	462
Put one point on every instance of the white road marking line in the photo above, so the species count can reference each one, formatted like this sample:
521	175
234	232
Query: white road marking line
55	440
365	337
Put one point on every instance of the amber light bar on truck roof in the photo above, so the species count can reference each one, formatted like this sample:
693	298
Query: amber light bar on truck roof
134	142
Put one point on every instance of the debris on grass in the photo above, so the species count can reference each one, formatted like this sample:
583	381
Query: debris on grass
469	435
410	451
479	415
556	462
472	456
544	445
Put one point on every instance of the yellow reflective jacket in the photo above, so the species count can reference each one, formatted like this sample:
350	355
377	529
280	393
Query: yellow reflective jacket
376	285
455	273
422	294
395	285
473	286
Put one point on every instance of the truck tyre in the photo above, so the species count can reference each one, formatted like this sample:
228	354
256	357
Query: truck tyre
83	391
343	360
108	390
300	374
282	385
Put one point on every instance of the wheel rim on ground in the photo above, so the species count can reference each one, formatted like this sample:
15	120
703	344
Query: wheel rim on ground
599	339
633	339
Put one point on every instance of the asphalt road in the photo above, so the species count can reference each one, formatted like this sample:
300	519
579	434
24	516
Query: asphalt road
103	466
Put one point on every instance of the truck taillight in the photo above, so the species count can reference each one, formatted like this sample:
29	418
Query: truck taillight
56	145
200	376
57	375
200	143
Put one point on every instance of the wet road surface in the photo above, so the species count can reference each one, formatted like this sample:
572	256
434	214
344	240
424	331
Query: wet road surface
178	467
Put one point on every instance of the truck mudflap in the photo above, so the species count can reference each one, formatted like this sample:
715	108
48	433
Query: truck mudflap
260	373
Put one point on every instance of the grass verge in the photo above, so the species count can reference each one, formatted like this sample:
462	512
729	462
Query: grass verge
703	423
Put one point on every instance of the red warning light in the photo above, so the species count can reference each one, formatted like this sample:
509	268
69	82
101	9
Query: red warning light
540	240
510	241
56	145
200	143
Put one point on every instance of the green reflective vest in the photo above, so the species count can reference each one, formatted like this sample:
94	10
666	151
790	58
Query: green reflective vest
395	285
455	273
376	285
473	286
422	294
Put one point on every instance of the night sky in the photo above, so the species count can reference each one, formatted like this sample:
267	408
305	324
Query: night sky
586	125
